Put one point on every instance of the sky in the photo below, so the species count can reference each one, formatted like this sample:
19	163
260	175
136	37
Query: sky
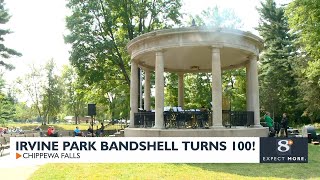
39	26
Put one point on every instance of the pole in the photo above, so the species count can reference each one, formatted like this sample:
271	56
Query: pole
92	124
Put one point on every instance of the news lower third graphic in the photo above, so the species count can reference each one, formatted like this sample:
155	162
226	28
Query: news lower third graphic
289	150
160	150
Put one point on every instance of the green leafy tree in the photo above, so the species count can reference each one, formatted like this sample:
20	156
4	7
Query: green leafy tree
278	91
171	89
74	96
53	92
33	85
304	20
5	52
7	102
217	17
100	31
24	112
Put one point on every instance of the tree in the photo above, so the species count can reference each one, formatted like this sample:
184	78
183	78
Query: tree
278	91
5	52
24	112
44	89
53	92
7	101
219	18
100	31
33	84
74	96
304	20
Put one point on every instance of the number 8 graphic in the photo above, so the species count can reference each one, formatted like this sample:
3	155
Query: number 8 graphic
283	146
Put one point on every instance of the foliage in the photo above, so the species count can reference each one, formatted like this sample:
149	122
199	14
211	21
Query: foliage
33	85
217	17
304	20
171	90
100	31
73	98
234	88
7	101
5	52
53	91
24	112
278	91
198	90
44	89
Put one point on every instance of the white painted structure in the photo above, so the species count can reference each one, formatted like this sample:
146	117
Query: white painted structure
191	50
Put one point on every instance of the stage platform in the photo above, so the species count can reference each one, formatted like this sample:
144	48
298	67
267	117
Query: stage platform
211	132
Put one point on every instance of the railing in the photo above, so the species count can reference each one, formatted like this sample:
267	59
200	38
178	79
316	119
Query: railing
194	119
237	118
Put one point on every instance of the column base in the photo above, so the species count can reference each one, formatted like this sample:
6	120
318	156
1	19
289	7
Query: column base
256	126
217	127
158	127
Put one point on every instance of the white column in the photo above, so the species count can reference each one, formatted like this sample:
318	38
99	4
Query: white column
253	89
140	88
159	99
147	90
180	90
216	89
133	92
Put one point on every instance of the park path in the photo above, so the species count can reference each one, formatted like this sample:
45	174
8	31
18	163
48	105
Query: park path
15	171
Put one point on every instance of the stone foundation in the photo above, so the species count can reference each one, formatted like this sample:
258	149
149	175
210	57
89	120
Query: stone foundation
221	132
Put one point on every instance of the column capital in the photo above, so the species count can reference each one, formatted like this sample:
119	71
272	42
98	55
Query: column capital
159	50
216	47
253	57
134	63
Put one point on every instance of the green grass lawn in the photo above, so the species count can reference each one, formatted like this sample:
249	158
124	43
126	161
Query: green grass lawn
309	170
60	126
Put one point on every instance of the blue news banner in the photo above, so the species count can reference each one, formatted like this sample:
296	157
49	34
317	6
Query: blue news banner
159	150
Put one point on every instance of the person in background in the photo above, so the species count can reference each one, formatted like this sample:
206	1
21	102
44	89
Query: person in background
102	129
202	117
77	132
269	122
51	132
6	131
284	123
90	131
37	128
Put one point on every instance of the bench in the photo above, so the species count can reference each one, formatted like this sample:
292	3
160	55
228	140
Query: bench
4	144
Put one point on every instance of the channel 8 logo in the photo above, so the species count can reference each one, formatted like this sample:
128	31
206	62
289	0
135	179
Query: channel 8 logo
284	146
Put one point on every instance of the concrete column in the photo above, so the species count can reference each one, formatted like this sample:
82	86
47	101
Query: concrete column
216	89
133	92
147	90
180	90
140	88
159	99
253	89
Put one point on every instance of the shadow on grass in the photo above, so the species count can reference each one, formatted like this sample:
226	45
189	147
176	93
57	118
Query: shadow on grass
280	170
